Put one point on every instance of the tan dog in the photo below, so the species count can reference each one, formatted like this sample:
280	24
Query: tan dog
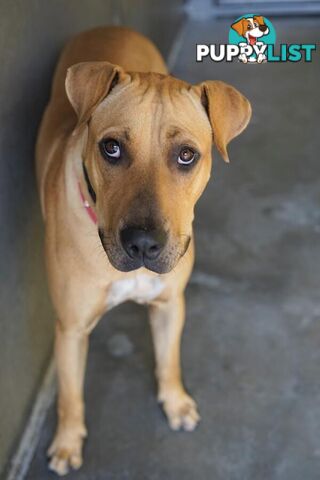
123	154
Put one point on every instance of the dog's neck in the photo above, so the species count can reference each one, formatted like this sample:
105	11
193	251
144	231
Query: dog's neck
78	187
87	205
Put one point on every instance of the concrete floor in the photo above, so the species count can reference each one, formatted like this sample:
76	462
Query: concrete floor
251	351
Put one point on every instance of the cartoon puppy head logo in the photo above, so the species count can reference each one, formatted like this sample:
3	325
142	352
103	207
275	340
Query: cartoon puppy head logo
252	33
251	28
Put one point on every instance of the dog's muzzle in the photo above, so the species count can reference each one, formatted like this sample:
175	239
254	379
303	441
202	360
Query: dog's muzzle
136	247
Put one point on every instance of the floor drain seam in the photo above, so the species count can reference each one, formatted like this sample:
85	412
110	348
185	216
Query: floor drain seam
20	463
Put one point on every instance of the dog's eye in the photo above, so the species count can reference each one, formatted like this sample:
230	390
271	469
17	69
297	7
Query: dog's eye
186	156
110	149
249	27
255	24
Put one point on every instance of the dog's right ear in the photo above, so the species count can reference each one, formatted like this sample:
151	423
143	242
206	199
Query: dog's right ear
239	26
88	83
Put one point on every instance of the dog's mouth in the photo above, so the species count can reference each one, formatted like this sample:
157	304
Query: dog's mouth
252	39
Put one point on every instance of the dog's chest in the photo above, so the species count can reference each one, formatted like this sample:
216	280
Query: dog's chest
140	288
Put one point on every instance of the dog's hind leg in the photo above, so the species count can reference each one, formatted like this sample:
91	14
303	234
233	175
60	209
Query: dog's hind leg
167	320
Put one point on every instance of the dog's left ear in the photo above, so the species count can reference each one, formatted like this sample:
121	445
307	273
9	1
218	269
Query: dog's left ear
88	83
228	110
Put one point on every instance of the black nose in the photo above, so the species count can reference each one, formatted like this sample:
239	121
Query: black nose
263	28
142	244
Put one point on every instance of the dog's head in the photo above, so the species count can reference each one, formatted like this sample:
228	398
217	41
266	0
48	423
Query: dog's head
145	142
251	28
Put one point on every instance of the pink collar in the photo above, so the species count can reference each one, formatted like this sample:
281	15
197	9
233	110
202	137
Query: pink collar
87	206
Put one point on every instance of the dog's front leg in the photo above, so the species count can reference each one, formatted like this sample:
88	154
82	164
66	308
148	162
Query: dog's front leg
71	347
167	320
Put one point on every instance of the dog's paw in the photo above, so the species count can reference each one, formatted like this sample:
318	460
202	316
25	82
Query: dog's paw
66	451
181	412
243	58
261	58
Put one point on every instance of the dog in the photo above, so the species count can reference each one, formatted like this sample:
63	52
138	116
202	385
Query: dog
122	156
251	29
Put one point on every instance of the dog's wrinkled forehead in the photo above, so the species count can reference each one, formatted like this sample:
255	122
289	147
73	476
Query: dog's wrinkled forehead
148	103
105	97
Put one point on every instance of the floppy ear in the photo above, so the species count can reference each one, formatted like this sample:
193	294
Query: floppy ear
259	19
88	83
228	110
239	26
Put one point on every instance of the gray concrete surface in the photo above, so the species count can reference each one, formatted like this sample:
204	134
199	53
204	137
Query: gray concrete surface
31	36
251	351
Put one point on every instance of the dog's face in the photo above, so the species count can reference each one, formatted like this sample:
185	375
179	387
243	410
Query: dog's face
147	156
251	28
